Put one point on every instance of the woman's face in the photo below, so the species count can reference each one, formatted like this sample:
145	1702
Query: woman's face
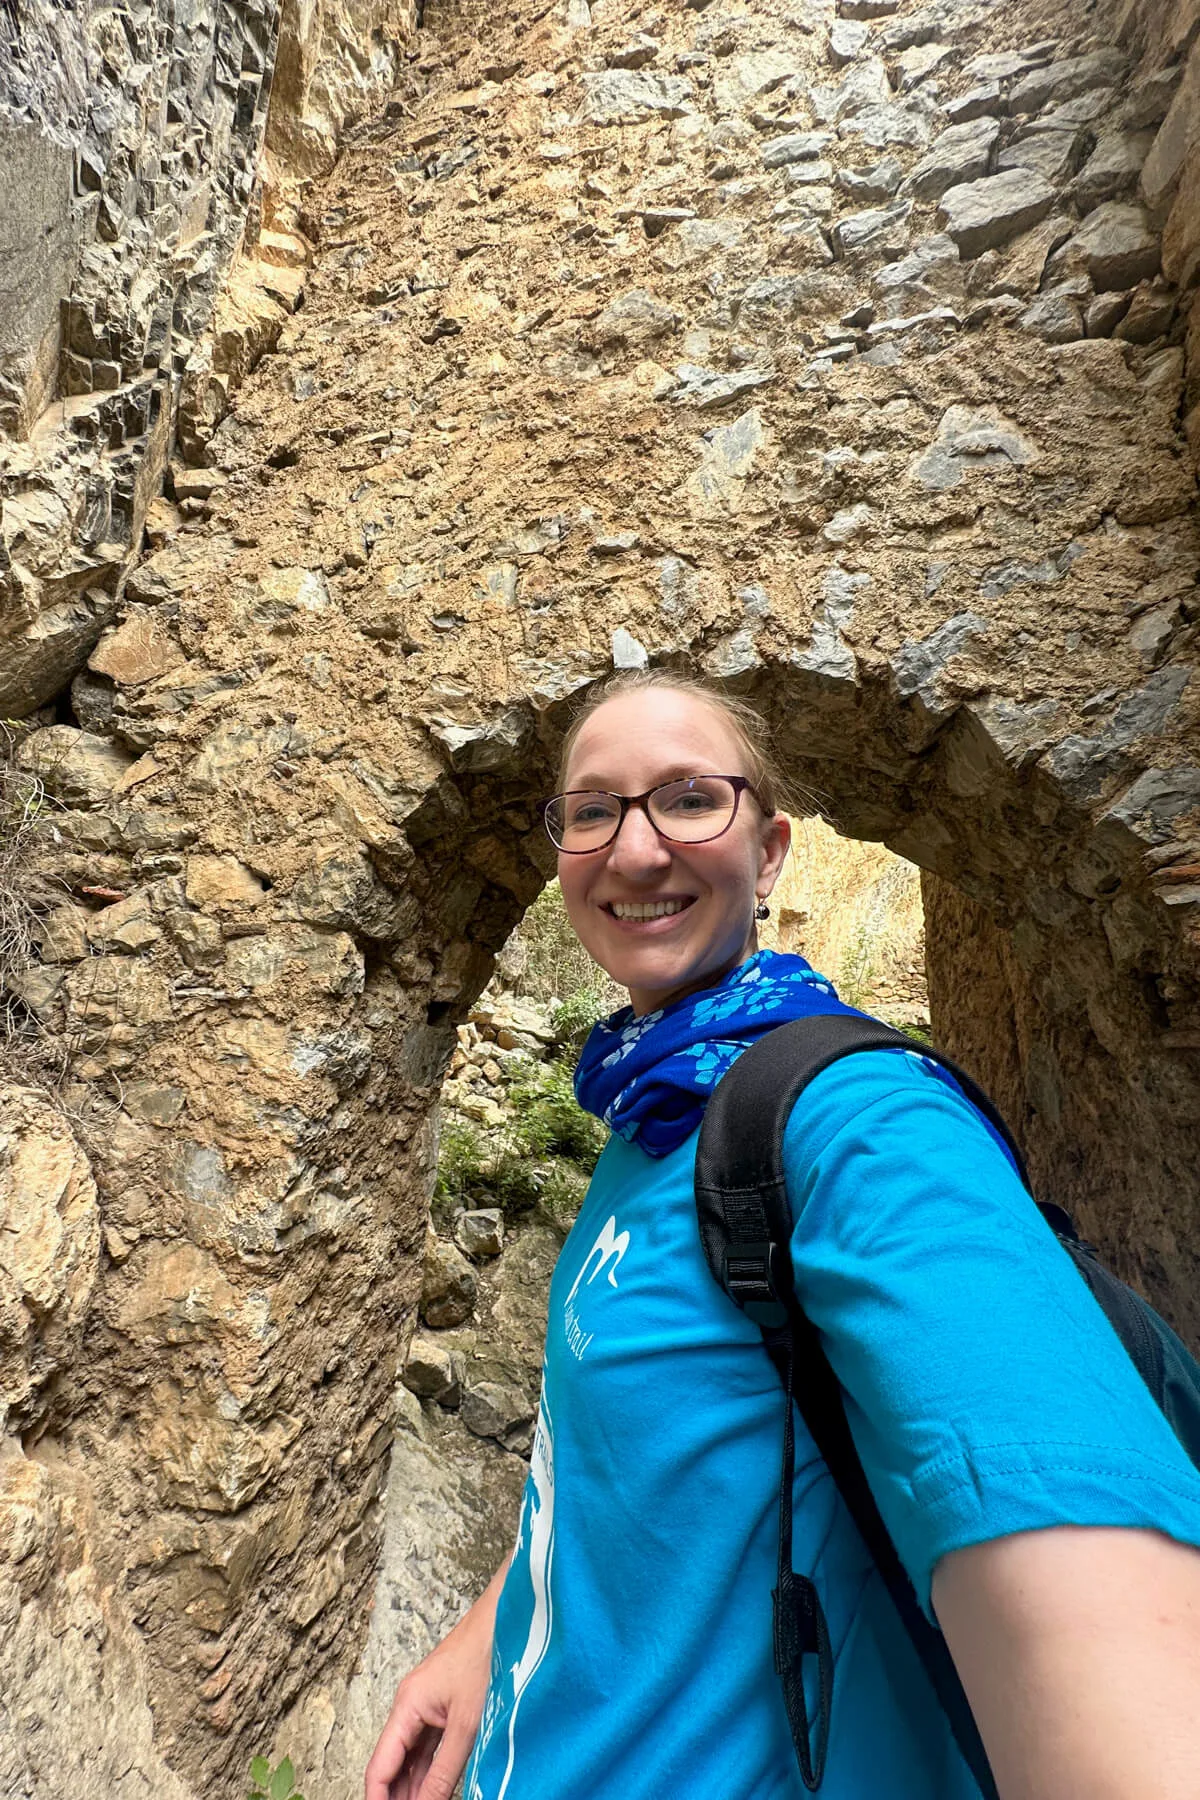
630	744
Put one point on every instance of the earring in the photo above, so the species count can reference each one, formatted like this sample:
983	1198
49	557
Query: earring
762	910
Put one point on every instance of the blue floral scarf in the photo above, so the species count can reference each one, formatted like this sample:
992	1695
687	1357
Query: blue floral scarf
649	1078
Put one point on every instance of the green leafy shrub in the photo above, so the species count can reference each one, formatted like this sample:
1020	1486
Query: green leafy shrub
578	1013
542	1158
269	1783
856	977
549	1121
462	1158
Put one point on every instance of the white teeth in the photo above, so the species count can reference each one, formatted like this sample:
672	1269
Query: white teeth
647	909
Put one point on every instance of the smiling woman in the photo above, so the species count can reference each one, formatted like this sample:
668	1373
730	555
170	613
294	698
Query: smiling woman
625	1651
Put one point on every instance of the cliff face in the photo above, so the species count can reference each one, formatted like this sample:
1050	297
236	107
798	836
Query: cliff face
842	356
137	203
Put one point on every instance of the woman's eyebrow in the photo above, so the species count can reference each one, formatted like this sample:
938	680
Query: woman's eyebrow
597	784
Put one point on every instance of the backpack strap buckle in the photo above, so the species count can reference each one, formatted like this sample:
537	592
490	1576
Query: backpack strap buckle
752	1282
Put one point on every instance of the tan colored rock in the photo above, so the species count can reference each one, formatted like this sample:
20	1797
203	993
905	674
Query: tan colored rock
449	1287
76	767
49	1245
1175	142
138	651
29	1522
178	1294
1181	235
207	1455
126	926
221	881
480	1233
200	940
944	556
64	934
1118	245
982	215
431	1370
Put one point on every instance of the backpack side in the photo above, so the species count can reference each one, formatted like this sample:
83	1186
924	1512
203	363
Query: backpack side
1162	1359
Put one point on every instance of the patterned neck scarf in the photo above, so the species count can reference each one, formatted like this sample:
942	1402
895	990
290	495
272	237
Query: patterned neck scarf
649	1079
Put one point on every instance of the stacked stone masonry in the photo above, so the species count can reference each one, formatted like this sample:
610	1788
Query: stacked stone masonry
848	355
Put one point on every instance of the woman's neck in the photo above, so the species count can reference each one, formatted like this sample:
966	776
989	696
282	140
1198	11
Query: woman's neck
647	1000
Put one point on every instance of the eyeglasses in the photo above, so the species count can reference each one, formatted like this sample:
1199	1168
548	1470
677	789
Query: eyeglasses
694	810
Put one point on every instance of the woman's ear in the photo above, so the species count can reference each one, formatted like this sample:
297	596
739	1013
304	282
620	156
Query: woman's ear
776	840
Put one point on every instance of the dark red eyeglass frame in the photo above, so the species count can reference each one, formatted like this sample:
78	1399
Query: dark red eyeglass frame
739	783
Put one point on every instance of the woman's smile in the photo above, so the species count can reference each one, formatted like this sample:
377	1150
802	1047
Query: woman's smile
645	914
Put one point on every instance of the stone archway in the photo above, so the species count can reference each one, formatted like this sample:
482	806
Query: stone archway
618	348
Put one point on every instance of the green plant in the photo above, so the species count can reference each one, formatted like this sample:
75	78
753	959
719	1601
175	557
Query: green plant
578	1013
911	1028
22	805
278	1783
27	1052
462	1158
541	1158
549	1121
857	974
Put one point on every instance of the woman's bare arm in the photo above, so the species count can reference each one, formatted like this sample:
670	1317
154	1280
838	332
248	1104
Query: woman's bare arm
1079	1650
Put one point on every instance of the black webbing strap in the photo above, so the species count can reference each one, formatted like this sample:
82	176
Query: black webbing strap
799	1623
745	1227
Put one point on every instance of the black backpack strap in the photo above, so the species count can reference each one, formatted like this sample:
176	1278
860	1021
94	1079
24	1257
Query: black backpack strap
745	1227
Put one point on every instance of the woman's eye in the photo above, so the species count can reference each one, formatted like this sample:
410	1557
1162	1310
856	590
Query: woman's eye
694	800
594	813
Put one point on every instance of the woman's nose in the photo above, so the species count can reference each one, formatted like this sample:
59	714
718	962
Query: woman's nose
637	845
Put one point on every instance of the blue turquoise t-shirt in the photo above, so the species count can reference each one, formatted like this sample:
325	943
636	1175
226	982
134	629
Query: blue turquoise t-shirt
987	1394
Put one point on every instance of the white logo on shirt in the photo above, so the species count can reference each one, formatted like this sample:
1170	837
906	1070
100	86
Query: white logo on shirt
608	1249
535	1536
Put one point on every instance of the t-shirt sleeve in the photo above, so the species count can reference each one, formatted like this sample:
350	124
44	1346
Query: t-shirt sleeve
985	1388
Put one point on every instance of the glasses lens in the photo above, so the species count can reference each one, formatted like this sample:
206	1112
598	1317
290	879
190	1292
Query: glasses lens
582	821
694	810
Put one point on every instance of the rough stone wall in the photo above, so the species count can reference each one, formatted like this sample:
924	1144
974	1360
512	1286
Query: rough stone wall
130	141
814	350
1165	37
1055	1082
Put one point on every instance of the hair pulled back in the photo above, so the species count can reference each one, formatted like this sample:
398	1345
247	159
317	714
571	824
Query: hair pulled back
771	787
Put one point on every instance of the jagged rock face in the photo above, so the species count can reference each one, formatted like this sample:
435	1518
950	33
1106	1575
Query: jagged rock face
131	143
628	339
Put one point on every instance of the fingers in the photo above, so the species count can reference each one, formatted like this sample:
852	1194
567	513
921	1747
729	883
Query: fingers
407	1785
420	1761
449	1761
398	1741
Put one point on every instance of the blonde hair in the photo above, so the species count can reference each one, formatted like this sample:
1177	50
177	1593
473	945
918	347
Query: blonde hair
770	786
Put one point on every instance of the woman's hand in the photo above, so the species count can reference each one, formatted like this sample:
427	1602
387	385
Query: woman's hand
424	1746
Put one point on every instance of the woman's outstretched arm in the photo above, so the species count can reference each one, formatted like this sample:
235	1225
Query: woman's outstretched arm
1079	1649
424	1746
1041	1503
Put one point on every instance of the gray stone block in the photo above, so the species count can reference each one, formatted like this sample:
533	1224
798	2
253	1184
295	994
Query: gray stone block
961	154
1118	246
983	215
1059	81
